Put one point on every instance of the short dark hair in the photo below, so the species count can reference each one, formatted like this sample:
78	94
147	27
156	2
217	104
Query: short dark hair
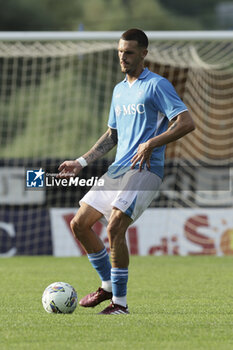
137	35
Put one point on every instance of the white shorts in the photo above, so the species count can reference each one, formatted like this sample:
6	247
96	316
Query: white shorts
132	193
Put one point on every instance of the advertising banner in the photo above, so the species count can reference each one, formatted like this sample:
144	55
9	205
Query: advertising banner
25	232
157	232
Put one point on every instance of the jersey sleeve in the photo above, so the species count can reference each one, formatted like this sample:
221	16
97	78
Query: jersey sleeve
167	99
112	116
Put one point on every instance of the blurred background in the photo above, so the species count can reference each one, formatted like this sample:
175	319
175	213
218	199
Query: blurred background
33	15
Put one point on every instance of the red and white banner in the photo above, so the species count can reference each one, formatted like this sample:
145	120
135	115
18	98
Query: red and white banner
157	232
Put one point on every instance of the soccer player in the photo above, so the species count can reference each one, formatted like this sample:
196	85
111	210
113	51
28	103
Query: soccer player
142	105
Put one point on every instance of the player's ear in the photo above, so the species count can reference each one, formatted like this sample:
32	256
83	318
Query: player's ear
144	53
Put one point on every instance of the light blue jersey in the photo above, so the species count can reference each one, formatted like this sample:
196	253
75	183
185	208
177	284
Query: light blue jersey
140	112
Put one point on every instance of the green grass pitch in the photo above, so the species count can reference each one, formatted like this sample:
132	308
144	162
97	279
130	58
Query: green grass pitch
175	303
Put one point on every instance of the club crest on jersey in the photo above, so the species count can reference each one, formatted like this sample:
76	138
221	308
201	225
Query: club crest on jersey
130	109
118	110
140	93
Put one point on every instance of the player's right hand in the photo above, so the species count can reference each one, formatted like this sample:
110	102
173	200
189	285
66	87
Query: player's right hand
69	168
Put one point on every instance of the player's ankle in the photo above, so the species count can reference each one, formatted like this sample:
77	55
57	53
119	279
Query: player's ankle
107	285
120	300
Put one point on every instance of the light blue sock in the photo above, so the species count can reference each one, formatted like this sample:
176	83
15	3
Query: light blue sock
100	261
119	278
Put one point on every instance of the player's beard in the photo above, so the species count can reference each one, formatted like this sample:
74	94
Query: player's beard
125	69
128	69
126	66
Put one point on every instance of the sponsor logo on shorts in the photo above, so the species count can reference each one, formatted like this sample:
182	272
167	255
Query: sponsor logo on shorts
123	201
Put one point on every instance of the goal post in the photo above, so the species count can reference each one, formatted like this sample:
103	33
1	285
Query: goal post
55	95
189	35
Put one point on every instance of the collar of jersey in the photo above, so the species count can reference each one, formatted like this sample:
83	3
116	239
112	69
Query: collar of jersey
143	75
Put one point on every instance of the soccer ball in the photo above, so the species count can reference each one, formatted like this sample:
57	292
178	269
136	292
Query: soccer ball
59	298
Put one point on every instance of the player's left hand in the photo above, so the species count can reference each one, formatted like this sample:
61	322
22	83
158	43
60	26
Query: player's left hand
69	168
142	156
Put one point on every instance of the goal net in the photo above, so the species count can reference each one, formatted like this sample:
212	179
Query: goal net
54	103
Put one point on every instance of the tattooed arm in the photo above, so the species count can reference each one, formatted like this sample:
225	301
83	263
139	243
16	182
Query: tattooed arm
106	142
181	126
102	146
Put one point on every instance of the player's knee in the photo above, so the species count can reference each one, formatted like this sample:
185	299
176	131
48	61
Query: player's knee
111	229
78	226
114	229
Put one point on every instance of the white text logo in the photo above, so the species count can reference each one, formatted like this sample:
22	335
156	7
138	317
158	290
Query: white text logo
132	109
